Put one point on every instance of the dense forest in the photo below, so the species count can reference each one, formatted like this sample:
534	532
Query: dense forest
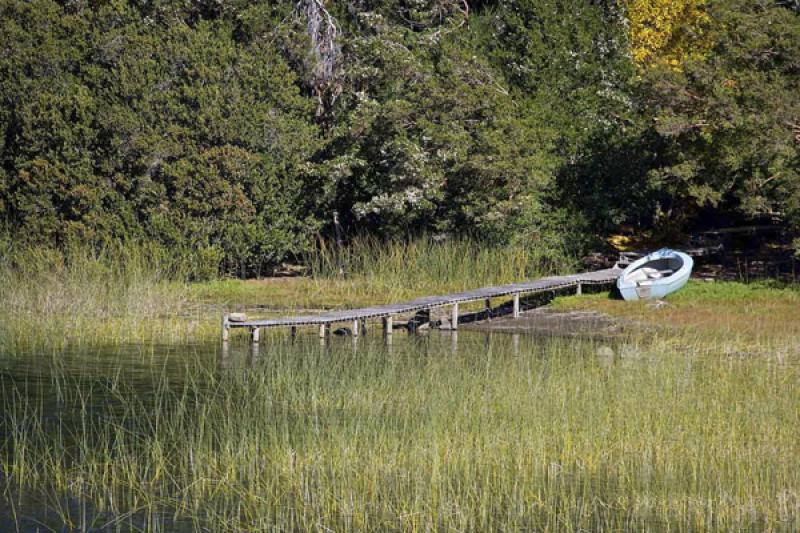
233	132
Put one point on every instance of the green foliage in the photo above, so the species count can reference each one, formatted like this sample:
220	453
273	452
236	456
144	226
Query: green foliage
718	135
232	131
121	125
458	122
726	127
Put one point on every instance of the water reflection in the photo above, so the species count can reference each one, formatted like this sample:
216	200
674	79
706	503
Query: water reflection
50	381
145	368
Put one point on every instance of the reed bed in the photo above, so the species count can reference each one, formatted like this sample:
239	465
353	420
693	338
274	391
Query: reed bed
129	293
453	263
424	266
687	429
122	294
496	436
369	271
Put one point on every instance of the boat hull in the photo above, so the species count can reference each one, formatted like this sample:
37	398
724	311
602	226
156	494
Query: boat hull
631	289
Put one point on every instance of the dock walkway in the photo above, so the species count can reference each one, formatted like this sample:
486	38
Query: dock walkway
357	317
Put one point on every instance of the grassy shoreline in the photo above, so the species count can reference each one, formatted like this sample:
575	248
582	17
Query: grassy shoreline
693	427
50	303
134	295
755	318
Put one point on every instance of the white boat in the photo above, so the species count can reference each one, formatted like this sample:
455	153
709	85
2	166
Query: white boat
655	275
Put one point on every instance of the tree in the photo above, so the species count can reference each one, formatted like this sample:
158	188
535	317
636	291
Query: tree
724	125
123	121
668	32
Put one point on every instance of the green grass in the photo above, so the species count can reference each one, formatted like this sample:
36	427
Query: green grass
130	294
369	271
545	437
120	295
757	318
689	426
134	294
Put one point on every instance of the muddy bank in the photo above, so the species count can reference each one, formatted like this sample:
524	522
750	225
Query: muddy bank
547	321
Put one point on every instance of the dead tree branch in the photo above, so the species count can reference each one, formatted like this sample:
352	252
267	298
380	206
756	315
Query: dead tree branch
322	30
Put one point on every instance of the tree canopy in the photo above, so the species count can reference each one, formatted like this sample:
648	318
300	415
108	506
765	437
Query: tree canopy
233	131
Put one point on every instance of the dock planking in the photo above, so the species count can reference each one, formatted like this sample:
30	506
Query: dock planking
387	311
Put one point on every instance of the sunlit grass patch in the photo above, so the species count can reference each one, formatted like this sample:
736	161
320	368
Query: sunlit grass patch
692	424
52	300
128	293
761	316
369	271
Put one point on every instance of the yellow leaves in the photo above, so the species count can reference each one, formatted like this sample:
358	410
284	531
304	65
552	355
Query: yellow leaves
668	31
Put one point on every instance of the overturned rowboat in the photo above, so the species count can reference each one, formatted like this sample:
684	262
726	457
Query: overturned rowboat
655	275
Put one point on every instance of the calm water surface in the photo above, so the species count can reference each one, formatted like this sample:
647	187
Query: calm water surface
68	387
49	380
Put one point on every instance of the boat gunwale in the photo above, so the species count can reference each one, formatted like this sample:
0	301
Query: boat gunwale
669	283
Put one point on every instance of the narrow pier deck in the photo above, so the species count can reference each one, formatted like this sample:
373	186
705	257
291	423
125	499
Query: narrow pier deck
357	317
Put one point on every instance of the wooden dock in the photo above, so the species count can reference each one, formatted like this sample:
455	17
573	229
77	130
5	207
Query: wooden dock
356	318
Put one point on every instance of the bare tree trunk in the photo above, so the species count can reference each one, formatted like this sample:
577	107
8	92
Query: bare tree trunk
322	30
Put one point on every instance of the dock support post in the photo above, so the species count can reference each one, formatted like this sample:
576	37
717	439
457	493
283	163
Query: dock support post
516	305
255	333
224	354
294	333
363	326
454	317
356	327
387	327
488	308
579	288
226	328
254	351
323	331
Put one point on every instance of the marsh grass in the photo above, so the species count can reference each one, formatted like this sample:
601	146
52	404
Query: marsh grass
694	426
129	293
545	436
448	264
369	271
122	294
738	318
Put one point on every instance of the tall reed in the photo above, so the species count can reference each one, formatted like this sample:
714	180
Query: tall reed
431	264
537	436
130	292
119	294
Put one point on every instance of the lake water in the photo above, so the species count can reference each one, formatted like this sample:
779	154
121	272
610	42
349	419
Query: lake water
435	432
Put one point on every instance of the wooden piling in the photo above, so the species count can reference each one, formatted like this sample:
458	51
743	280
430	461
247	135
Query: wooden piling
488	308
356	327
579	288
516	306
454	317
226	328
224	354
323	331
255	334
387	326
